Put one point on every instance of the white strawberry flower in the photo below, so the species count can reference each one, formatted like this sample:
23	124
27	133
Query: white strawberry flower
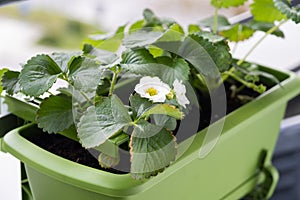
153	89
180	91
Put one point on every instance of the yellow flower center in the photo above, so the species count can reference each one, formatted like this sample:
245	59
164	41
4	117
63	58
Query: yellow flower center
152	91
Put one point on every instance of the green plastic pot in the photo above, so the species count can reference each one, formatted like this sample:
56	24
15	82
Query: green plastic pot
239	162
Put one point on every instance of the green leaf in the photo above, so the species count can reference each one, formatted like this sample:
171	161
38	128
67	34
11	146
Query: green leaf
194	28
139	105
38	75
238	33
103	56
172	69
227	3
66	91
218	52
2	71
137	56
169	123
206	57
141	38
102	121
107	161
136	26
163	109
265	11
10	82
142	63
147	69
55	114
158	52
264	26
110	42
286	8
63	59
145	37
85	74
210	36
151	20
153	148
209	22
174	33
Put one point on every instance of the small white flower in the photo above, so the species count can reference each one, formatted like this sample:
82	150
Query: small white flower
180	91
152	88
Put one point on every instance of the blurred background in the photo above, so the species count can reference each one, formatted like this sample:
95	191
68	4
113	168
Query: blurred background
42	26
51	25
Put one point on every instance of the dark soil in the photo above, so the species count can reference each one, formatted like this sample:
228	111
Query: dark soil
64	147
73	151
232	103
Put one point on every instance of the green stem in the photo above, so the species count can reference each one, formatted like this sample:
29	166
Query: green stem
226	75
256	88
86	98
119	138
64	77
260	40
114	81
216	20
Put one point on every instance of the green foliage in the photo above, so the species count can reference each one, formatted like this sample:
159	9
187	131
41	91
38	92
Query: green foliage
139	105
84	73
209	22
172	69
107	161
174	33
55	114
265	11
142	63
286	8
218	52
165	121
157	50
237	33
10	81
163	109
38	75
227	3
103	56
151	20
102	121
2	71
108	42
136	56
149	142
141	38
63	60
136	26
194	28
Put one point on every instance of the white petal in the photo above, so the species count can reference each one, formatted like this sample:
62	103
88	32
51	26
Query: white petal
152	82
158	98
180	91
